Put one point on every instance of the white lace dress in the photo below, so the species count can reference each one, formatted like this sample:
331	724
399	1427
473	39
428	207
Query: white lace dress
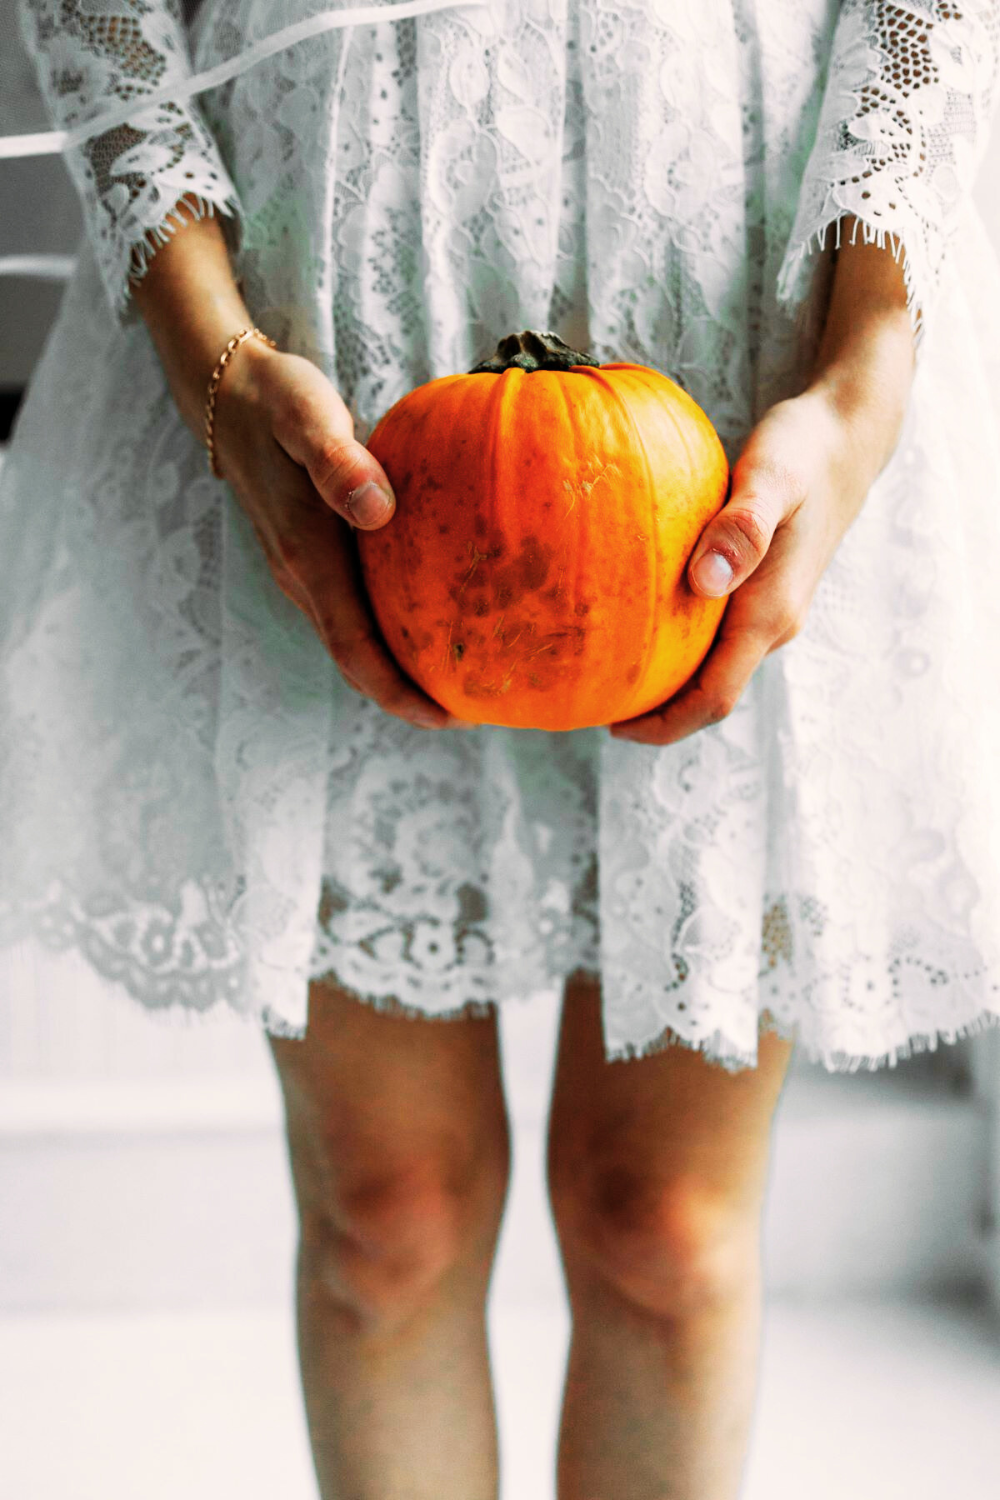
192	797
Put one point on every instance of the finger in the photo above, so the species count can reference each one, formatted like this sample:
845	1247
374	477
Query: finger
330	575
316	430
708	699
765	493
767	612
314	561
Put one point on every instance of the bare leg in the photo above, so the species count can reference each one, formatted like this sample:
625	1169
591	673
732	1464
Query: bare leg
399	1148
657	1169
658	1406
399	1412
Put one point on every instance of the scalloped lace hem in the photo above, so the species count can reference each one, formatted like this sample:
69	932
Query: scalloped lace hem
717	1047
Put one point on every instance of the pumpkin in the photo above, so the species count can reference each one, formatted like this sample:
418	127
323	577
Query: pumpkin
533	574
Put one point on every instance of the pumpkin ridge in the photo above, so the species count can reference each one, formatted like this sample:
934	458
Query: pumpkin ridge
570	415
595	374
495	411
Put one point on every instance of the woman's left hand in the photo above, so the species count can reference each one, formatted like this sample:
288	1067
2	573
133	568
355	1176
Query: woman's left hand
795	492
800	481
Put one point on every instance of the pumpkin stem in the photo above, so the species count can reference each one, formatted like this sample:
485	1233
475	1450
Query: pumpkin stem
532	350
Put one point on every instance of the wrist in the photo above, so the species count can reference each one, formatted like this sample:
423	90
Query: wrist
192	306
866	389
242	386
865	363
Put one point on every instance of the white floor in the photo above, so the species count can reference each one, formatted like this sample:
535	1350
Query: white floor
899	1401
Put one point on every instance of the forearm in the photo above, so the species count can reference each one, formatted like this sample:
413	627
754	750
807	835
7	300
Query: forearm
865	362
192	306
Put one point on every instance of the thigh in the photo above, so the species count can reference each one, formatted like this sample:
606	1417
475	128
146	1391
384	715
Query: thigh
381	1104
639	1128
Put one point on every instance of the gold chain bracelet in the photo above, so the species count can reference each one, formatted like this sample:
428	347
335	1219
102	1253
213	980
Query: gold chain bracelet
213	386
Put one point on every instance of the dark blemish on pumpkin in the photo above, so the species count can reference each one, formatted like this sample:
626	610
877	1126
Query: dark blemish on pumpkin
458	647
405	631
632	675
475	558
480	526
583	608
480	607
444	530
525	573
534	562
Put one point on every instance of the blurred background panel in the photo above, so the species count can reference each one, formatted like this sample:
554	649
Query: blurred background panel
39	213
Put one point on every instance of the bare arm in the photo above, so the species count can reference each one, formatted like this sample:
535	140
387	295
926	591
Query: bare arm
192	306
285	442
798	485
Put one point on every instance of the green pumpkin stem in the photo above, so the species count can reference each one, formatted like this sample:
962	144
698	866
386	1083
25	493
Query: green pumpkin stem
532	350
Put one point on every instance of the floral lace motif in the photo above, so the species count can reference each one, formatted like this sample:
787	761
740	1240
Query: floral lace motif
192	795
911	90
91	52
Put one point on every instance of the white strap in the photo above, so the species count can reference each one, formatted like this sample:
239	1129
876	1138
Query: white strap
41	267
49	142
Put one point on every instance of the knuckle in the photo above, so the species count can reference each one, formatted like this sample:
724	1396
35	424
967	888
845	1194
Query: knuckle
347	649
721	704
289	552
750	530
722	707
334	463
397	703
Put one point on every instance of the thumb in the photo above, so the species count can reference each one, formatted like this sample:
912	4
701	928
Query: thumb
736	540
316	429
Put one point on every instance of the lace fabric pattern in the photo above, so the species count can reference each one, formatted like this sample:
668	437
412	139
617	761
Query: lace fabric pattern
902	133
191	794
91	52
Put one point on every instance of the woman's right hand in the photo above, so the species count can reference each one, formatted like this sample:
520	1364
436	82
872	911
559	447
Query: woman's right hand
285	442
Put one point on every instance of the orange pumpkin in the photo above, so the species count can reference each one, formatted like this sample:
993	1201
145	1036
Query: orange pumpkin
533	574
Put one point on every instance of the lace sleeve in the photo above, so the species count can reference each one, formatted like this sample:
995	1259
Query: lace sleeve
903	127
90	53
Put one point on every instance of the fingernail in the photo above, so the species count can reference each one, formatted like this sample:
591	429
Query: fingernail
426	721
369	503
712	573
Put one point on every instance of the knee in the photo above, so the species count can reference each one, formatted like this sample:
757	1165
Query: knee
382	1244
675	1246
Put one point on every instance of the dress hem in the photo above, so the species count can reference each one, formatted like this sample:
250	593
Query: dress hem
715	1047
